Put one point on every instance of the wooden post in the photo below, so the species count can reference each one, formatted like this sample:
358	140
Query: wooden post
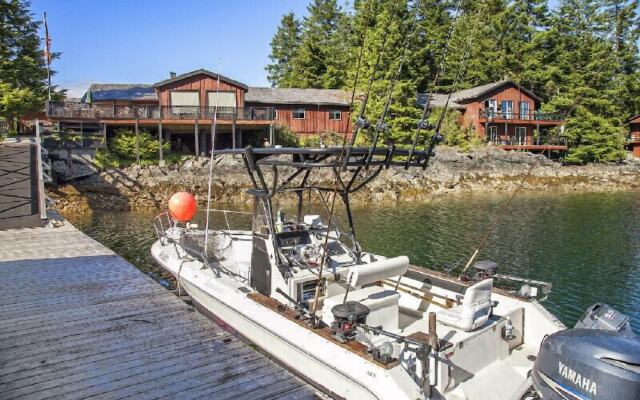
104	134
160	150
240	136
137	143
213	136
272	138
233	133
433	343
197	147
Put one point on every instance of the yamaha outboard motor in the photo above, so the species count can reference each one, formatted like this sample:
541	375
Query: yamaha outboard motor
599	359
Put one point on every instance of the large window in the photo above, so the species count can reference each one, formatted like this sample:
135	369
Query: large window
223	99
492	106
298	113
507	109
184	98
524	110
335	114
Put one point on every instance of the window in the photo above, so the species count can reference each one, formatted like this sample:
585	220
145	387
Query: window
507	109
182	98
491	105
524	110
224	99
298	113
335	114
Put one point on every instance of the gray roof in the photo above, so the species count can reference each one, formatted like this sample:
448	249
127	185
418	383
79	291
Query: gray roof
462	96
269	95
439	100
119	91
198	72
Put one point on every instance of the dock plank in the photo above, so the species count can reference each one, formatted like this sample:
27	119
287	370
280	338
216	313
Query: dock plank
79	322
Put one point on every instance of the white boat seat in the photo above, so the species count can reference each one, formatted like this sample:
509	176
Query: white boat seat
364	274
474	310
382	302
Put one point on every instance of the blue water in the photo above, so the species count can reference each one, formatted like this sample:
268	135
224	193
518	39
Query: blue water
586	245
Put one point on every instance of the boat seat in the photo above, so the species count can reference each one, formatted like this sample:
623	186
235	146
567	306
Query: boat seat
474	310
382	302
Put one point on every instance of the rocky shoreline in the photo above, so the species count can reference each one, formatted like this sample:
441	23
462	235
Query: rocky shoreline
484	170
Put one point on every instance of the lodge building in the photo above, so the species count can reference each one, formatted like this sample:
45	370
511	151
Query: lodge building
182	110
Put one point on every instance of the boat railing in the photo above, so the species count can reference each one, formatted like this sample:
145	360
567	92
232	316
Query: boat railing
226	214
161	223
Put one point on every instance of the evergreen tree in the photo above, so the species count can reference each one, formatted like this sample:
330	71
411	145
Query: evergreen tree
22	64
284	46
319	62
578	71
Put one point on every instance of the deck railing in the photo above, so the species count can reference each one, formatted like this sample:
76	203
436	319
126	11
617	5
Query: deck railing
66	109
520	116
633	138
516	140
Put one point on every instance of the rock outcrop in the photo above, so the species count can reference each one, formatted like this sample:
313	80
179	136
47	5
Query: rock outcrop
486	169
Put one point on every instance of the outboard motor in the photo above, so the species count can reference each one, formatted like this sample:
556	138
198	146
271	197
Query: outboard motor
599	359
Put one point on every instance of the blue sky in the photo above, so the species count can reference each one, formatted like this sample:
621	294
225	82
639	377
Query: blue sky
140	41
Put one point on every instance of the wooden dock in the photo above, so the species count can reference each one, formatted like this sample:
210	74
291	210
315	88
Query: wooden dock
19	184
78	321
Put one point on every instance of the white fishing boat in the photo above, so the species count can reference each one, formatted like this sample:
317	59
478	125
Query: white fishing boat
360	325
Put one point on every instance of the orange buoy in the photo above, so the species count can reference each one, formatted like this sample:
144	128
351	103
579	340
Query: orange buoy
182	206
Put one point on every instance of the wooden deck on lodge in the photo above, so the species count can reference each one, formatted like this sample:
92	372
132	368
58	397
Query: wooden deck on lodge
78	321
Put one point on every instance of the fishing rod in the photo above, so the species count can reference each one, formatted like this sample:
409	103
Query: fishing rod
423	124
381	125
491	227
360	124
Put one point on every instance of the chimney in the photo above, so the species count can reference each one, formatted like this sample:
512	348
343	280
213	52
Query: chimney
172	75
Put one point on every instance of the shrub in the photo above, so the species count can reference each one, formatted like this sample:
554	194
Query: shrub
285	137
123	145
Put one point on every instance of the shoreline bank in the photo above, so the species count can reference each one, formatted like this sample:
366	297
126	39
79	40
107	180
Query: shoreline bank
485	170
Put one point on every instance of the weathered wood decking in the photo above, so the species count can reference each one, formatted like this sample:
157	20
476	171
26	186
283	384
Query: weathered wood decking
19	197
78	321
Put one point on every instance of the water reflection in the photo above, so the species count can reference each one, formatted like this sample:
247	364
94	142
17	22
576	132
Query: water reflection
587	245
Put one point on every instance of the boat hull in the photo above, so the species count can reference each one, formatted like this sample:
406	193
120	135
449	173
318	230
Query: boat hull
331	368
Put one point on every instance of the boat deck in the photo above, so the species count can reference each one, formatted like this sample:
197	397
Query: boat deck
78	321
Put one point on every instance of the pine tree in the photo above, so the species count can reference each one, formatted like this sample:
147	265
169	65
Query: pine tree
22	65
319	62
578	71
284	46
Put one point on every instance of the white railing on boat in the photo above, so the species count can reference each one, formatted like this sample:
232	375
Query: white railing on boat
226	214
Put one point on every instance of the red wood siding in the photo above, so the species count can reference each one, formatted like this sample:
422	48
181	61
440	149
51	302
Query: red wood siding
472	114
316	118
203	84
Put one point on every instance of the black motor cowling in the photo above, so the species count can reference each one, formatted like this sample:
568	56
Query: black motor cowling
595	363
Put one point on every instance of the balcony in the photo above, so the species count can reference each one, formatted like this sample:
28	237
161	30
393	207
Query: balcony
87	111
633	138
520	117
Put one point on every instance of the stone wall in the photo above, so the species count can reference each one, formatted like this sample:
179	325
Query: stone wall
487	169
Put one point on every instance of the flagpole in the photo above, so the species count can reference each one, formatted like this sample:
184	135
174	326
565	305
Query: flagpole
47	43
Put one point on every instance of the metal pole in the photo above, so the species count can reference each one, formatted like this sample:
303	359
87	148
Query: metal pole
47	42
